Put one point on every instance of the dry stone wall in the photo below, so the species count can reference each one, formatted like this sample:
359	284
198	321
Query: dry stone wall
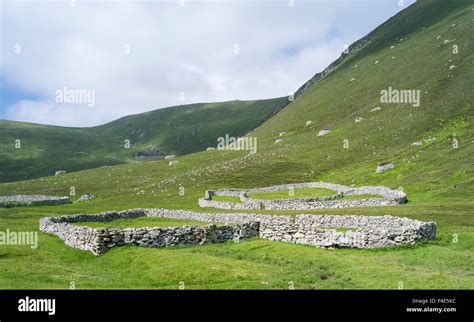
388	197
316	230
360	231
31	200
99	240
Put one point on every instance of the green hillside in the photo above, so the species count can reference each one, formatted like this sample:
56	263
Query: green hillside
175	130
420	59
437	175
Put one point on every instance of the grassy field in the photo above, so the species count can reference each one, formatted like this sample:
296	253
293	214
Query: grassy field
226	198
438	177
250	264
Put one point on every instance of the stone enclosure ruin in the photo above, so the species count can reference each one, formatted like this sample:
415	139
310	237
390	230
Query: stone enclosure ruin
361	232
98	240
330	231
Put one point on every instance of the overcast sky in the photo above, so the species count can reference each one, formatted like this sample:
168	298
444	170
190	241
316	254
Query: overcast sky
136	56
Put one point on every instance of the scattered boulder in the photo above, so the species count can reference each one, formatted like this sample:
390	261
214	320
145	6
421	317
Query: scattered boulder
86	197
375	109
282	133
171	156
309	123
60	172
278	140
384	167
174	162
417	143
324	132
358	119
353	79
31	200
210	148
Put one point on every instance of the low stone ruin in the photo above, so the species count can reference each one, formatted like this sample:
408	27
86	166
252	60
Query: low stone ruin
150	155
388	197
31	200
363	232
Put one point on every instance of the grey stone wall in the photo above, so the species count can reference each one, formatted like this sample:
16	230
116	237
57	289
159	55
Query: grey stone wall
31	200
388	197
99	240
365	231
315	230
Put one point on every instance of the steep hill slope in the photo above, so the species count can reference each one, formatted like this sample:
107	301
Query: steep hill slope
175	130
412	51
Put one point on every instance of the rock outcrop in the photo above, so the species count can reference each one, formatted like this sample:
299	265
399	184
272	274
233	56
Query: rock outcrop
384	167
324	132
86	197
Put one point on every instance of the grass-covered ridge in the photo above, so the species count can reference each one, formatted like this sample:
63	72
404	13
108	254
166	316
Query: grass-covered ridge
437	178
174	130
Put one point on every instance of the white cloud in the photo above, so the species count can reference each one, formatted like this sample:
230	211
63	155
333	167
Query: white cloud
173	49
